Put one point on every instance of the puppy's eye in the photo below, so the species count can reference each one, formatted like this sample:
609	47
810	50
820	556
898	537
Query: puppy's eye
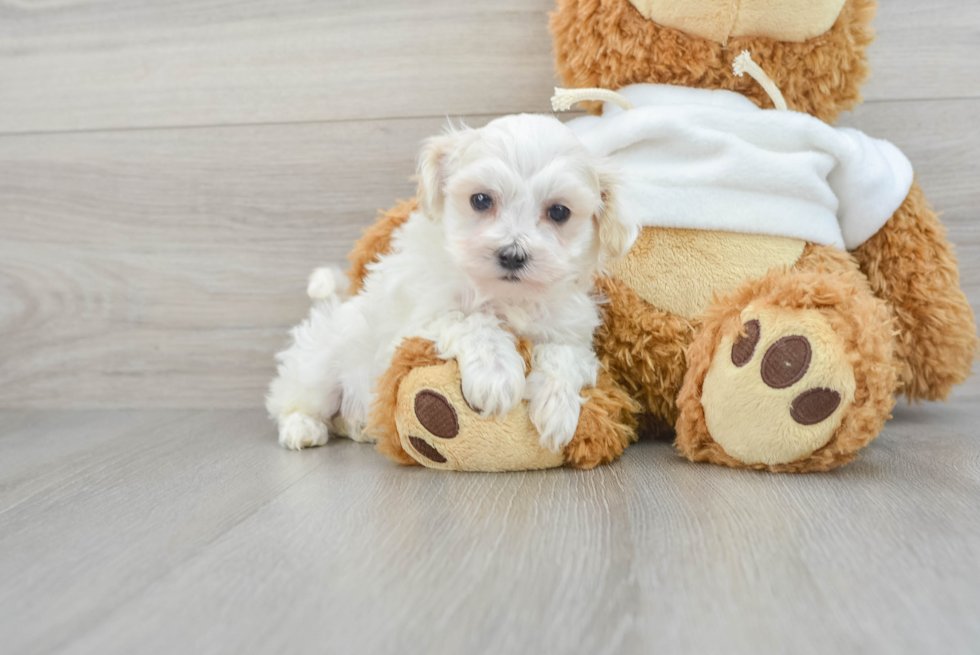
559	213
481	202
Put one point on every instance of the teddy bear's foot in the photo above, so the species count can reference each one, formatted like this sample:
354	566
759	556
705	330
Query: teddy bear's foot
431	422
439	429
778	388
799	378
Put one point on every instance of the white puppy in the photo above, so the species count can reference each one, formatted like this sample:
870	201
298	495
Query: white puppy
513	220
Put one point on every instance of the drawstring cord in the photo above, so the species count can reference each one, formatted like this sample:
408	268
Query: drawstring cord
565	98
744	64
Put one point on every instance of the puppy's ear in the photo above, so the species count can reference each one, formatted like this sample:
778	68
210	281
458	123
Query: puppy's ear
432	164
616	232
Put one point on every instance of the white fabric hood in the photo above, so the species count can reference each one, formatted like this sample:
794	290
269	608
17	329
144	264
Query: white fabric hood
695	158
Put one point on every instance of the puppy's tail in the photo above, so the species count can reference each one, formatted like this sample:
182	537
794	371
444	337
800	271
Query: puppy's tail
327	282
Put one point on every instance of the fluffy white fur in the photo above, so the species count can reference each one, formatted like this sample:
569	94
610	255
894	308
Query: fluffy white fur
444	280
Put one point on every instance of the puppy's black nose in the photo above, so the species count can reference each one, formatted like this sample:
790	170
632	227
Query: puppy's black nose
512	258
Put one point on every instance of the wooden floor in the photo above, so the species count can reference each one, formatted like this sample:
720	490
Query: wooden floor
166	531
171	171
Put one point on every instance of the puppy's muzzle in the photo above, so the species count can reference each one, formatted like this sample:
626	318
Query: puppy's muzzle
512	258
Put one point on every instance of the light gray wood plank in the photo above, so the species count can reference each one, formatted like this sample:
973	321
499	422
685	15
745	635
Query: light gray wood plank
203	536
923	50
121	253
164	267
88	519
109	64
31	440
114	64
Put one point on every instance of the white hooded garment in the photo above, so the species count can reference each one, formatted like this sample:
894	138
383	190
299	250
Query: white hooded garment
712	160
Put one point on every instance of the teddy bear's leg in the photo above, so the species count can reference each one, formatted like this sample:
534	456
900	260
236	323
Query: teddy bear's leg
606	425
792	372
645	348
421	416
911	266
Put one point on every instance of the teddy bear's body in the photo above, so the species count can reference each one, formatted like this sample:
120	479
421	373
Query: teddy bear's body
891	311
747	182
784	350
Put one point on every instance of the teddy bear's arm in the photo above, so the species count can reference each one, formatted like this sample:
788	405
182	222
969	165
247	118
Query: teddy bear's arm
910	264
376	241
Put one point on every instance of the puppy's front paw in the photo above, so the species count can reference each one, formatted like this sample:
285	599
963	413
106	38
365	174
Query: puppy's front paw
298	431
554	410
494	386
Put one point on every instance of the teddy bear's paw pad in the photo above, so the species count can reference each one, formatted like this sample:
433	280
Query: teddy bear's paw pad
744	346
786	362
440	429
423	448
778	389
814	406
436	414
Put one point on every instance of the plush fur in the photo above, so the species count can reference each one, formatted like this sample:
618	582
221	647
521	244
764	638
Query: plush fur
679	270
719	21
825	280
911	265
643	347
609	44
376	241
467	275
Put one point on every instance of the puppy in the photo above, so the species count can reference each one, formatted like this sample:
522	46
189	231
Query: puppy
513	221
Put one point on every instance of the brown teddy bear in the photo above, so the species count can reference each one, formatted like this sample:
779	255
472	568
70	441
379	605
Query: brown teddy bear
768	352
779	350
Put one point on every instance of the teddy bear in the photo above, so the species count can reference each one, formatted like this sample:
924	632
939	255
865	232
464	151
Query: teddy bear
766	327
768	352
